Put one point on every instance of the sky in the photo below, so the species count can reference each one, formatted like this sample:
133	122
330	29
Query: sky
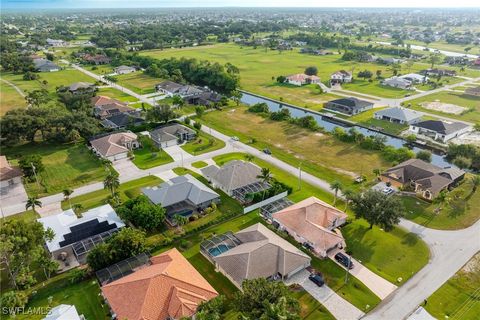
52	4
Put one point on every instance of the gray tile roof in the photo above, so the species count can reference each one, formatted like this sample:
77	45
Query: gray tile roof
233	175
179	189
170	132
442	127
399	113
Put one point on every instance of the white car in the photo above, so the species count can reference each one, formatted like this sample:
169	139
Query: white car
388	190
235	138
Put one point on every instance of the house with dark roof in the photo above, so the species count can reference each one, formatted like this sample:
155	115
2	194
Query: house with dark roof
398	115
104	107
348	106
183	195
474	91
440	130
426	179
81	87
172	134
44	65
115	146
439	72
96	59
122	121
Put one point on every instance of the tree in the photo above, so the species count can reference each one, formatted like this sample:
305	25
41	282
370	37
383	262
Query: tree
33	202
31	164
365	74
178	100
281	79
378	73
434	59
395	68
237	96
424	155
249	157
142	213
180	221
259	298
163	113
111	182
13	301
348	194
462	162
311	71
49	266
377	209
66	194
212	309
376	172
265	177
199	111
475	183
335	186
36	98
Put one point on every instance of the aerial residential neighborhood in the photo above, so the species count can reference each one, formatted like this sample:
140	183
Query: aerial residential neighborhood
239	160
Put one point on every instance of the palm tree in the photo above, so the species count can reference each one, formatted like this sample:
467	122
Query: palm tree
335	186
376	172
111	182
266	177
180	220
76	208
33	203
249	157
66	194
348	195
475	183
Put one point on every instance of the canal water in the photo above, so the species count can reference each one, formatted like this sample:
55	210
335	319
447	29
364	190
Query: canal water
330	124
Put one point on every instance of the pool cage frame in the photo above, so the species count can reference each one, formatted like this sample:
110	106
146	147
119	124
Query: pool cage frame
122	268
268	210
240	193
228	239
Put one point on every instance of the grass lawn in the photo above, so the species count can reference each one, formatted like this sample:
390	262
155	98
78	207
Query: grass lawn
458	298
27	216
66	166
10	98
472	103
127	190
320	154
366	119
375	88
116	94
203	143
199	164
138	82
463	214
100	69
149	155
392	255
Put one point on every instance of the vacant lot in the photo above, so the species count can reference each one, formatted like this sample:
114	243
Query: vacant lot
66	166
116	94
202	144
10	98
138	82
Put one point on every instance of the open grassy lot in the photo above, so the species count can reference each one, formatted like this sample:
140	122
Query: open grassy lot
149	156
319	154
463	100
375	88
66	166
199	164
203	143
10	98
366	119
455	215
126	191
138	82
100	69
459	297
116	94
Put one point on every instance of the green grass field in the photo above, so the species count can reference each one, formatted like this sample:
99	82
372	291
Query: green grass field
375	88
138	82
471	103
116	94
366	119
199	164
458	298
149	156
10	98
203	143
66	166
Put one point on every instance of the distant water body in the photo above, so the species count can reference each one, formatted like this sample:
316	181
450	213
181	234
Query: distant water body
422	48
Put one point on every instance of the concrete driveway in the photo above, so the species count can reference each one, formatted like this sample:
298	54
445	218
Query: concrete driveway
340	308
177	153
13	196
127	170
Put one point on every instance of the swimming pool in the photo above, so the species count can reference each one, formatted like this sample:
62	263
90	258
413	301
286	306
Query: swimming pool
221	248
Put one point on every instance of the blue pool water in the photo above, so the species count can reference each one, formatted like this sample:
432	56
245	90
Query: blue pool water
215	251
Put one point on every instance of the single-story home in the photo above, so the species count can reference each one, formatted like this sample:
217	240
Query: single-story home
232	175
168	288
397	82
341	76
171	88
300	79
312	222
398	115
388	60
254	252
9	175
440	130
122	121
124	69
104	107
115	146
415	78
81	87
75	236
439	72
348	106
44	65
426	179
56	42
172	134
96	59
206	98
64	312
475	91
183	195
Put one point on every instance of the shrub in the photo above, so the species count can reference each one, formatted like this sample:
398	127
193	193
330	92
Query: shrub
197	125
187	120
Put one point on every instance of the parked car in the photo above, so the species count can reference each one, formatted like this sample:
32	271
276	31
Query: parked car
307	246
267	151
317	279
235	138
388	190
344	260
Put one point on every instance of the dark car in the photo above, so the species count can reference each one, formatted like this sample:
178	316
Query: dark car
317	279
344	260
267	151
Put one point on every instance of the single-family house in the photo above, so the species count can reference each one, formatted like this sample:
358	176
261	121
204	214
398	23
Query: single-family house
254	252
172	134
389	60
440	130
44	65
474	91
206	98
415	78
168	288
76	235
64	312
341	76
232	175
81	87
348	106
56	42
397	82
398	115
115	146
439	72
312	222
171	88
96	59
104	107
124	69
122	121
301	79
9	175
182	195
426	179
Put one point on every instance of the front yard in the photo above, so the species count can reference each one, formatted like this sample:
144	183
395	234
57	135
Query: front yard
203	143
149	156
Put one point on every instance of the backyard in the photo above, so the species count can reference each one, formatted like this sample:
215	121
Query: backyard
149	156
366	119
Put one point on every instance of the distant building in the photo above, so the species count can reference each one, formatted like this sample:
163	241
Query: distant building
96	59
171	88
439	72
348	106
56	43
398	115
124	70
172	134
301	79
440	130
115	146
475	91
44	65
341	76
397	82
415	78
81	87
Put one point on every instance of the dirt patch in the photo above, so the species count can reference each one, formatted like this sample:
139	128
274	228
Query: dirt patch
318	134
468	138
443	107
345	172
472	266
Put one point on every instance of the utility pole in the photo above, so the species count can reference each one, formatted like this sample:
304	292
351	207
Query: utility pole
35	174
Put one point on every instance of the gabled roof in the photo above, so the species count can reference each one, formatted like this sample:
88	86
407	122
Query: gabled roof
442	127
313	220
80	85
400	114
342	73
8	172
169	287
170	86
352	102
99	101
261	254
233	174
122	120
397	81
301	77
113	144
44	64
179	189
170	132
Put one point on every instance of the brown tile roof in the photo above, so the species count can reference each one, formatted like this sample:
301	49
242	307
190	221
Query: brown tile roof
313	220
301	77
170	287
8	172
113	144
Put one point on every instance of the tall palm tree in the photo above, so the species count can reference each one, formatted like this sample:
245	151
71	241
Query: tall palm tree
180	220
376	172
266	177
475	183
348	196
33	203
66	194
111	182
335	186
